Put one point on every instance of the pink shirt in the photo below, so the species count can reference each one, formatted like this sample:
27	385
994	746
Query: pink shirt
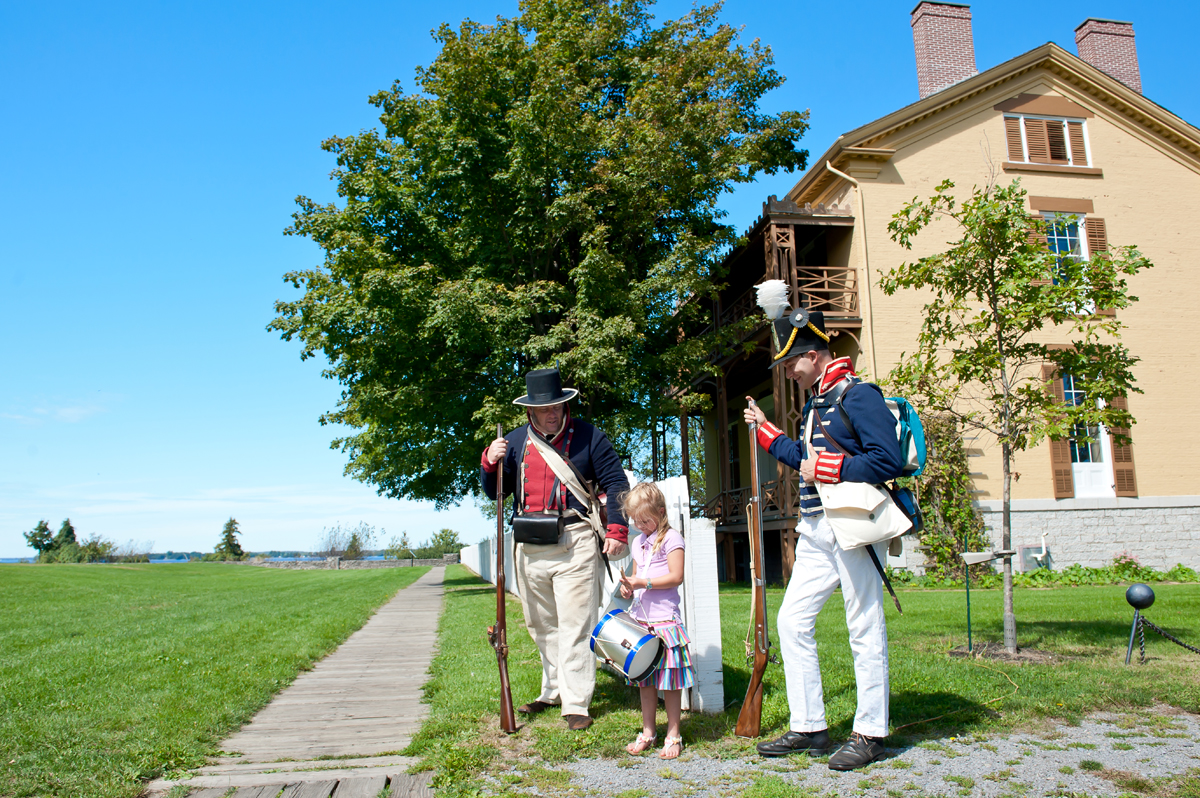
659	604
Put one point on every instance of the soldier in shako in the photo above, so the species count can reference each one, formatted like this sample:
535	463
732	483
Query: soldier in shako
801	346
559	581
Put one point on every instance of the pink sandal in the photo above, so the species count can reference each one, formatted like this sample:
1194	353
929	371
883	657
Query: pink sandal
640	744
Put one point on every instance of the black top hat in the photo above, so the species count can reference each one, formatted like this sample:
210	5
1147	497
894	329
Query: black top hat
543	387
796	333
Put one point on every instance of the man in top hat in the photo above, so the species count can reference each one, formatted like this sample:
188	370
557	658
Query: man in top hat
559	584
873	455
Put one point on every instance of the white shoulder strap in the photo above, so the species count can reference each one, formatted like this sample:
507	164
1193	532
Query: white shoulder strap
554	461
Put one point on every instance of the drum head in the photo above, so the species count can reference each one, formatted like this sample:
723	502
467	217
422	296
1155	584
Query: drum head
644	660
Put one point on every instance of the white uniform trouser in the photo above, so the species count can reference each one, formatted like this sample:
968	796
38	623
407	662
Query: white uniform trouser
560	592
821	565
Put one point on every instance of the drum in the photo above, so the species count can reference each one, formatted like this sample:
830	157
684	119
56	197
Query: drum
627	645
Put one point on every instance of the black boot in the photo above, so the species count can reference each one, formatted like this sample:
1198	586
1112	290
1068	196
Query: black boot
859	750
794	742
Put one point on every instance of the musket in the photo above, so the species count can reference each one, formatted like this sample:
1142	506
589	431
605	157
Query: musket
750	717
498	634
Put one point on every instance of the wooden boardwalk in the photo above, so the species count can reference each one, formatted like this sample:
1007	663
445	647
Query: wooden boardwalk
338	729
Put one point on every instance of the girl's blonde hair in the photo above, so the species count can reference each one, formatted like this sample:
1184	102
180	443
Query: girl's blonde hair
645	499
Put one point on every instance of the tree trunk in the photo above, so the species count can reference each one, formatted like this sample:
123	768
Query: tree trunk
1010	619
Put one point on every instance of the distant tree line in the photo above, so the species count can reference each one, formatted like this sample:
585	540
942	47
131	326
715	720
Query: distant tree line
65	546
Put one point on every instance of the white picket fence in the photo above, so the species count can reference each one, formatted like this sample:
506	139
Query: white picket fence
701	605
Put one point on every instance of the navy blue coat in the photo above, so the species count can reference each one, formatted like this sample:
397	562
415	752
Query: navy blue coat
592	454
874	456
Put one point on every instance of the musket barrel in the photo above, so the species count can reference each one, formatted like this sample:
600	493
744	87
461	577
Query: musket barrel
498	635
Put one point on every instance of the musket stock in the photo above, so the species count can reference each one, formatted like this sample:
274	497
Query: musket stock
498	634
750	717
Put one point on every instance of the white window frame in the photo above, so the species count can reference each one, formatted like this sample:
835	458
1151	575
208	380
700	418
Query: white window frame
1087	142
1081	471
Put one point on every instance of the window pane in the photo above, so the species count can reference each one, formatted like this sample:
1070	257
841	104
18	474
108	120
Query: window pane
1062	238
1085	440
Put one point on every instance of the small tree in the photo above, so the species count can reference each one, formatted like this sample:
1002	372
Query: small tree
40	538
361	539
229	548
65	536
398	547
981	356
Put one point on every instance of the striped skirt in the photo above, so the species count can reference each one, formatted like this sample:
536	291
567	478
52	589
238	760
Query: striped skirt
675	671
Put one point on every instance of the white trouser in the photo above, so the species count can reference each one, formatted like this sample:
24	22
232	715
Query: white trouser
821	565
560	592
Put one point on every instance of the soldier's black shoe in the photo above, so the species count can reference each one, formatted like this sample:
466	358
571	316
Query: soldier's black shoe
856	752
794	742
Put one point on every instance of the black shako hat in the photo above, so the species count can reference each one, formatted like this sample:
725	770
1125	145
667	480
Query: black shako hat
543	387
796	333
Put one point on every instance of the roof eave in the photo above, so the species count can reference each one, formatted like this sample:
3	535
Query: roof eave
1056	59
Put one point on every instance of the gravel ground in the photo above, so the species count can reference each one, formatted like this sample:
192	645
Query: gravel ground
1104	755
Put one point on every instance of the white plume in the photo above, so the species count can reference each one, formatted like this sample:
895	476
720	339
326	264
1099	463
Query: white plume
773	298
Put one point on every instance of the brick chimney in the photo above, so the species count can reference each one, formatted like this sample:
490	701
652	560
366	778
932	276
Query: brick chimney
945	47
1108	45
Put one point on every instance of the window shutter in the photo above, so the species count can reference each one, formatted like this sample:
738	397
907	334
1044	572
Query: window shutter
1078	150
1122	455
1096	233
1060	451
1038	141
1057	141
1037	238
1012	131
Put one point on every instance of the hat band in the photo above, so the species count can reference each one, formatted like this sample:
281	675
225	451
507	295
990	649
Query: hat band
791	341
545	397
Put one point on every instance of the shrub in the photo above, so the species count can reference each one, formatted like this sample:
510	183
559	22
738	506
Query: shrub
349	543
444	541
952	524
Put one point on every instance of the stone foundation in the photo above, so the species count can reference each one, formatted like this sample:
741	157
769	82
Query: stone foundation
1159	531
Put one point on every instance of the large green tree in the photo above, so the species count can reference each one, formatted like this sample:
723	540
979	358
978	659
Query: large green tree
230	548
40	538
1004	312
549	196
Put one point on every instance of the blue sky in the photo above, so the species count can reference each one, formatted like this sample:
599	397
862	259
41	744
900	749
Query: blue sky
153	152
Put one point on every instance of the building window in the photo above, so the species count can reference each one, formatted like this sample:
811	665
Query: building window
1090	447
1038	139
1062	238
1085	442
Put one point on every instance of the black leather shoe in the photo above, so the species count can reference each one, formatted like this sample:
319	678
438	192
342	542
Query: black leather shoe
577	722
794	742
858	751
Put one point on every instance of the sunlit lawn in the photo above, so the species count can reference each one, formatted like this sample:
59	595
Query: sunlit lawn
114	674
1087	626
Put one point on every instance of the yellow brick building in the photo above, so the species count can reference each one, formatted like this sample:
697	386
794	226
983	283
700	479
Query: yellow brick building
1083	140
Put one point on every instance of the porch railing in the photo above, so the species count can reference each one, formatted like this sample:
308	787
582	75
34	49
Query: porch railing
833	290
729	507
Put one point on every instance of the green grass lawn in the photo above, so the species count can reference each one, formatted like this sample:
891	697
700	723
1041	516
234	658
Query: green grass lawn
114	674
1088	627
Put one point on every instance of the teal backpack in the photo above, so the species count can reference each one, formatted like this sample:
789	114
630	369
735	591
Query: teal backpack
909	430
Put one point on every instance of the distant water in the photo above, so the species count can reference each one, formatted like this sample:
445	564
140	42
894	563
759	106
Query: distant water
15	559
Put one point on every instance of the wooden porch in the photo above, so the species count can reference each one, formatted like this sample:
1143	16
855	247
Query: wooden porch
808	248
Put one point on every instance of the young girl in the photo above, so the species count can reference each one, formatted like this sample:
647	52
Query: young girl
654	585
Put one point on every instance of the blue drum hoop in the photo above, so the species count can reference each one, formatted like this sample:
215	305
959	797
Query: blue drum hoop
633	651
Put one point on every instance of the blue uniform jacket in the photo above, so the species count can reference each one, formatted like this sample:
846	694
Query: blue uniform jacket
874	456
592	454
